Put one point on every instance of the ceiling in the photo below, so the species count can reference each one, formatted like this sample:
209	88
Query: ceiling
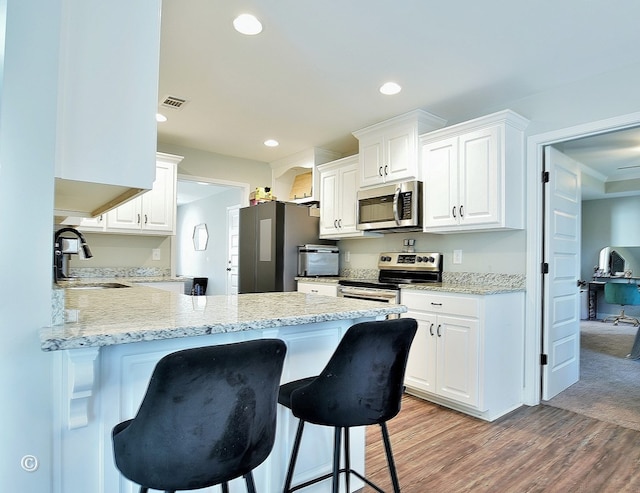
312	76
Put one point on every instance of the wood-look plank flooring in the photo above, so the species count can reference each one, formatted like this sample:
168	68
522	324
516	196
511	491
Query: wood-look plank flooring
533	449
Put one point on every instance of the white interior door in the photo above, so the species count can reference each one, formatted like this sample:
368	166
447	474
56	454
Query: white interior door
233	235
561	319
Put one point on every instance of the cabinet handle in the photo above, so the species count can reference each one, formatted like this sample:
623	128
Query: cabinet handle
461	211
436	304
438	331
386	170
453	211
335	223
145	219
340	223
431	329
380	171
138	218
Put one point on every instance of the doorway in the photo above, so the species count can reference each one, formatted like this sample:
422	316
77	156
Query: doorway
536	307
203	205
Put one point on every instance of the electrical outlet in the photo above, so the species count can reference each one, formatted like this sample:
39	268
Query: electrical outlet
347	256
457	256
155	254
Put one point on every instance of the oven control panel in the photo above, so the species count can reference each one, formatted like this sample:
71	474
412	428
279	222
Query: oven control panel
410	261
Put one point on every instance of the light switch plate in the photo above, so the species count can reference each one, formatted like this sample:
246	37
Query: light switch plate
155	254
457	256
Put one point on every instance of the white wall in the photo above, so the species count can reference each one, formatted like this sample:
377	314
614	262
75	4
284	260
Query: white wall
111	250
502	252
608	222
212	262
220	167
27	151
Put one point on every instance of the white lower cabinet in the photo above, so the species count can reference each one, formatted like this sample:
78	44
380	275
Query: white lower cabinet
324	288
468	351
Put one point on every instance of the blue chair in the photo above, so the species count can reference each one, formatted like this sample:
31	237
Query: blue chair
624	294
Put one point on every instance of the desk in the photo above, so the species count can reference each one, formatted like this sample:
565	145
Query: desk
598	285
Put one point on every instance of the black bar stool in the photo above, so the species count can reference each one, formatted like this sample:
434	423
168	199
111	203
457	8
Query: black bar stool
209	416
361	385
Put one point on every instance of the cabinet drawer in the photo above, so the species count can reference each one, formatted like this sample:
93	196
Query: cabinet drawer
318	288
464	306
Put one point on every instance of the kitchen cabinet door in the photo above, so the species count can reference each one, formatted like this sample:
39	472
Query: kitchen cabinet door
474	175
151	213
338	199
389	150
326	289
421	365
389	155
441	186
458	371
479	177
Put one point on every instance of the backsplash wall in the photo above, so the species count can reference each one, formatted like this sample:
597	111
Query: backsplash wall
502	252
112	250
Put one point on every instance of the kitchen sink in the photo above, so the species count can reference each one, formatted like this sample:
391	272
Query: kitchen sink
99	285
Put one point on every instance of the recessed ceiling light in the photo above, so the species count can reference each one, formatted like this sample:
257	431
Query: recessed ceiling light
247	24
160	118
271	143
390	88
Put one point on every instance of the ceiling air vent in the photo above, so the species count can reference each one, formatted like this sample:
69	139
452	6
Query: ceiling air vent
173	102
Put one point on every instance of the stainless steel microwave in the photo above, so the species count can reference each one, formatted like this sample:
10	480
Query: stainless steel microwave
393	207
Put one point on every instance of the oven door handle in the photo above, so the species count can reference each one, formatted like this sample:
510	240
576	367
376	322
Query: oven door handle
367	294
396	214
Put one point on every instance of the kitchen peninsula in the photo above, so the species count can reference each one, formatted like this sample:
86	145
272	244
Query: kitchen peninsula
105	353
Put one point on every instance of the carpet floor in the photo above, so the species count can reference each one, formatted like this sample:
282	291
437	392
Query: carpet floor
609	385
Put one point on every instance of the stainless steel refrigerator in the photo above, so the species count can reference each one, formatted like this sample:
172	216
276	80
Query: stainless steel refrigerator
269	237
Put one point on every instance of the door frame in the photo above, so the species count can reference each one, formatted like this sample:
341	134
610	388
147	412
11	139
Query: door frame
532	389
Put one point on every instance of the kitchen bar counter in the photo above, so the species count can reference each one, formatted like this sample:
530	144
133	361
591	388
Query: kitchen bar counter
105	352
103	317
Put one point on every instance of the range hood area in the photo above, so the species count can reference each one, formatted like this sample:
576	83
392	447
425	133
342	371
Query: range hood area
84	199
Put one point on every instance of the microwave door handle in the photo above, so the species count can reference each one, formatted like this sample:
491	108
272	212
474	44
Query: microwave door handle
396	197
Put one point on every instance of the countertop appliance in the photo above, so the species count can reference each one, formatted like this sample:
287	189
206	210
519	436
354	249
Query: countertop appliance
395	269
391	208
318	260
270	234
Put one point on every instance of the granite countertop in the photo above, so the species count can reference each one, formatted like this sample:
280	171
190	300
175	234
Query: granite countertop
443	287
454	282
102	317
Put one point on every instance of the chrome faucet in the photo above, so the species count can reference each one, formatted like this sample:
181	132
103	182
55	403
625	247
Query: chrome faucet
58	270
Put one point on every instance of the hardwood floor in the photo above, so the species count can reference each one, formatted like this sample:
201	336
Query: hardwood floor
533	449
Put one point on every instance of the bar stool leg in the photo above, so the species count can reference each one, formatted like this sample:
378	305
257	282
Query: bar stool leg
251	485
392	466
294	457
347	460
336	459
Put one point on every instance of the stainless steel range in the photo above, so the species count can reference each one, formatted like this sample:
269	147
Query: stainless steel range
394	269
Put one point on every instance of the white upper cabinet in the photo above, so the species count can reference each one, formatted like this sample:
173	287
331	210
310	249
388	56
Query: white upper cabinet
154	211
151	213
338	199
473	175
389	150
108	98
338	189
